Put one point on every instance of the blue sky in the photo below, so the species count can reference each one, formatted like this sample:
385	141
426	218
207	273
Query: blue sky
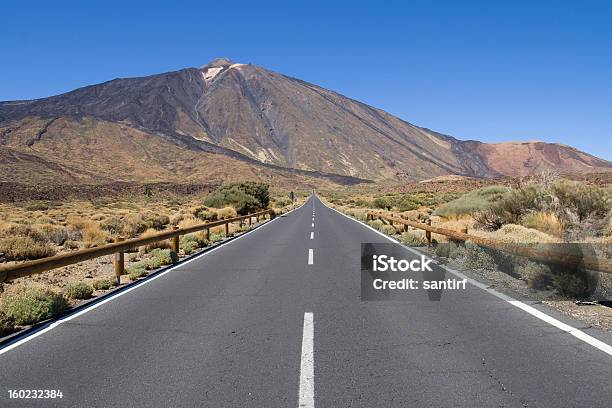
483	70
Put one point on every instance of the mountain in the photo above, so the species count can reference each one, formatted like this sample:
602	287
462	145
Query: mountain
212	120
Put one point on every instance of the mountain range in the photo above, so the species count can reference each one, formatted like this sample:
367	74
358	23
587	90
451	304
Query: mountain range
226	121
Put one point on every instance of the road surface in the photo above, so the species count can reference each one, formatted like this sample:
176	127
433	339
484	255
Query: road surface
274	319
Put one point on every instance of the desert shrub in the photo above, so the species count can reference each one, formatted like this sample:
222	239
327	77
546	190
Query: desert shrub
545	222
472	202
102	284
261	191
137	271
226	212
159	244
242	202
133	224
155	221
93	235
411	239
215	237
376	224
23	248
113	225
406	203
32	305
205	214
246	197
382	203
78	290
388	229
159	258
537	274
575	283
20	230
473	256
571	202
175	219
7	324
189	243
51	233
72	245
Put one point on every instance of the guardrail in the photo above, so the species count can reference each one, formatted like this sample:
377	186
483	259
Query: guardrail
534	252
9	272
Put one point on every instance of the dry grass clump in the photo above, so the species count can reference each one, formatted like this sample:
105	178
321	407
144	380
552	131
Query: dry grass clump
159	244
91	232
546	222
517	234
226	212
23	248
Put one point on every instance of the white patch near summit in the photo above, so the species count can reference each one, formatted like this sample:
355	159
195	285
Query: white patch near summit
211	73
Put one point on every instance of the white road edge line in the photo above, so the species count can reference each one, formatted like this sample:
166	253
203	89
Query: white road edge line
310	256
53	325
311	234
306	392
312	225
579	334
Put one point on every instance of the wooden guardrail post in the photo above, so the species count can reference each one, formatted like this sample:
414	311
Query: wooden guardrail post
175	243
428	233
119	263
250	220
207	234
227	229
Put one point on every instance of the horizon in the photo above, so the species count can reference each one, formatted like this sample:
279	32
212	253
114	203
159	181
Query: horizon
494	74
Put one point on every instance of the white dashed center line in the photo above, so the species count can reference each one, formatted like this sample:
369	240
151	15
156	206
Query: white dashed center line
311	234
306	393
310	256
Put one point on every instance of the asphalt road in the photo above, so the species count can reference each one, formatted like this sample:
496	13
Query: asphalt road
265	322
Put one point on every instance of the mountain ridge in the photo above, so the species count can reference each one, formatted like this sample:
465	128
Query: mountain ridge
261	117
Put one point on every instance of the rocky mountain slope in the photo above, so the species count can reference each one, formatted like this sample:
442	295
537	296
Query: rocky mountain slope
227	116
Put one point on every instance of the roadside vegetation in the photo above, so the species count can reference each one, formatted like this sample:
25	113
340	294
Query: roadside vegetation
544	210
38	229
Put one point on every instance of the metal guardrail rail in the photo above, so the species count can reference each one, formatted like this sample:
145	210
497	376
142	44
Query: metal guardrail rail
9	272
534	252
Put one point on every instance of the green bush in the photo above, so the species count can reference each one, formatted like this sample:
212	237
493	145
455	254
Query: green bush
32	305
571	202
78	290
190	243
382	203
411	239
160	257
472	202
246	197
214	237
205	214
137	271
102	284
7	324
23	248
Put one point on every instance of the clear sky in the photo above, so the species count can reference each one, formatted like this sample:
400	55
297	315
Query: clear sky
485	70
